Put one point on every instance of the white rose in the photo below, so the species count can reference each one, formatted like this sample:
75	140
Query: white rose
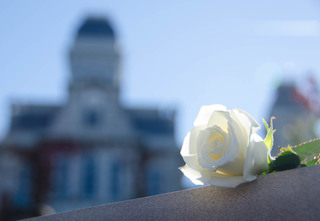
223	148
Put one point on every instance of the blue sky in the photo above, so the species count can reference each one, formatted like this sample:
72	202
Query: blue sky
176	54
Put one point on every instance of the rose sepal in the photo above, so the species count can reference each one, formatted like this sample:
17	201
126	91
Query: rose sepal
286	159
301	155
268	140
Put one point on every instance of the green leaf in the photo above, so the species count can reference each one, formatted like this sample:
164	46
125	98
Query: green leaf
308	151
287	159
268	140
312	162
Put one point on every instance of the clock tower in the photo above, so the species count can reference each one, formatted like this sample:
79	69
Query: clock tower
93	107
94	59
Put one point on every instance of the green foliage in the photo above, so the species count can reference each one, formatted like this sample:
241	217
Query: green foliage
304	154
268	140
287	159
308	151
270	131
313	162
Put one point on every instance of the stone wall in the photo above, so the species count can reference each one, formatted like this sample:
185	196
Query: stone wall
288	195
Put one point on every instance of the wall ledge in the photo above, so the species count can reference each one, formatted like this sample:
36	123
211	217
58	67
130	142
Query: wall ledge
288	195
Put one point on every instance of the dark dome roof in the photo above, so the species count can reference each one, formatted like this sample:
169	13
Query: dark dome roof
98	27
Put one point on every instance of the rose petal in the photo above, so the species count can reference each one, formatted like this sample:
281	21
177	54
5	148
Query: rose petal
220	119
189	145
192	174
233	160
256	160
244	125
243	114
205	113
232	168
189	148
226	181
212	142
212	178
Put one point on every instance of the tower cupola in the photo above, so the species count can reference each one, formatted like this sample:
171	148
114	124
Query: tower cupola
94	57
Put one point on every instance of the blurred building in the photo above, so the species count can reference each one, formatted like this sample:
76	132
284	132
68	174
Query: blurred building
91	150
296	115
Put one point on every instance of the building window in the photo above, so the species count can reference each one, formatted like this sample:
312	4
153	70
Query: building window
115	180
23	194
61	175
154	182
91	117
89	176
